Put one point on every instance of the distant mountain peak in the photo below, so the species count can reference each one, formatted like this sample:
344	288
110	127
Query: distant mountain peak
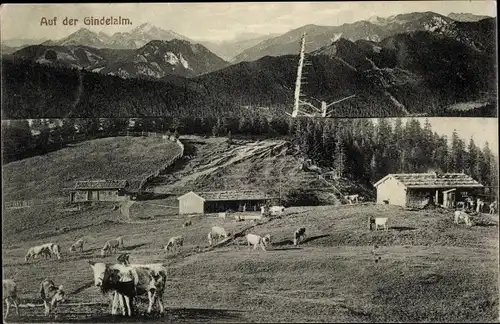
145	28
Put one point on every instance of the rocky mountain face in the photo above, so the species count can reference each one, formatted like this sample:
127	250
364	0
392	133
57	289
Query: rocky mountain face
374	29
154	60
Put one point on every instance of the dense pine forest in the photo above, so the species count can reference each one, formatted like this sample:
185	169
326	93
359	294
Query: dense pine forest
361	149
32	90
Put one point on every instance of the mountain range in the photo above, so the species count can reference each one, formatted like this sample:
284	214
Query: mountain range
136	38
412	64
373	29
155	60
143	34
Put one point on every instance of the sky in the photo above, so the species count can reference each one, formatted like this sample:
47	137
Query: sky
216	21
480	129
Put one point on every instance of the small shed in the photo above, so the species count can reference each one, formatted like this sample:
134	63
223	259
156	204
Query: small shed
420	189
99	190
221	201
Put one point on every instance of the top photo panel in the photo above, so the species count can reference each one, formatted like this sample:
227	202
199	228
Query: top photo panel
290	59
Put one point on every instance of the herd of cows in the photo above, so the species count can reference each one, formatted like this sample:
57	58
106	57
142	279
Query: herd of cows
126	281
123	279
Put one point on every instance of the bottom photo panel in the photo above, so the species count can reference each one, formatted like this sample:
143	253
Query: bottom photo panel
250	219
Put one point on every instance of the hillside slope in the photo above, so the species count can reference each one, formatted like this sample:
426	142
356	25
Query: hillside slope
215	164
113	158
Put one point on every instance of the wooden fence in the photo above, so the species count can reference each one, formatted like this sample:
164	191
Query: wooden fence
31	202
155	174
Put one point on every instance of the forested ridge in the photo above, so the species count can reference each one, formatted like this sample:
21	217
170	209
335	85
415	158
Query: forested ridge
359	149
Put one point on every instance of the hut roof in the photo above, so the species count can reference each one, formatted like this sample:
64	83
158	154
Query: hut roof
433	180
232	195
101	184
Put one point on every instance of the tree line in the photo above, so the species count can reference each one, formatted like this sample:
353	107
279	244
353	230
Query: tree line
361	149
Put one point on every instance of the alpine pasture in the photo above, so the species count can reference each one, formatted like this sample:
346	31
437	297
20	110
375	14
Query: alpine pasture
423	268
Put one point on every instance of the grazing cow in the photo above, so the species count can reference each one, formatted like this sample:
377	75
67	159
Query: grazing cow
277	210
77	245
51	295
381	221
46	250
351	198
257	240
174	243
123	259
462	216
298	235
493	207
112	245
10	296
216	234
187	223
130	281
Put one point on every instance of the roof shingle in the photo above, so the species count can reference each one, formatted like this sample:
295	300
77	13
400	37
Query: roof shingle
100	184
233	195
434	180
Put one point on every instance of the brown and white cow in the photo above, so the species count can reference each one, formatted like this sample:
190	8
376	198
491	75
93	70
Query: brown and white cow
130	281
175	242
46	250
51	295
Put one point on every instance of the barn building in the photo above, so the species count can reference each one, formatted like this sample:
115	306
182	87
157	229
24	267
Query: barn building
221	201
420	189
99	190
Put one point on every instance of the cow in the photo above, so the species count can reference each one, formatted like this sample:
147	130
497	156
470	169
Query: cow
277	210
174	243
77	245
381	221
351	198
10	296
47	250
298	235
257	240
493	207
187	223
130	281
216	233
51	295
112	245
123	259
460	215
